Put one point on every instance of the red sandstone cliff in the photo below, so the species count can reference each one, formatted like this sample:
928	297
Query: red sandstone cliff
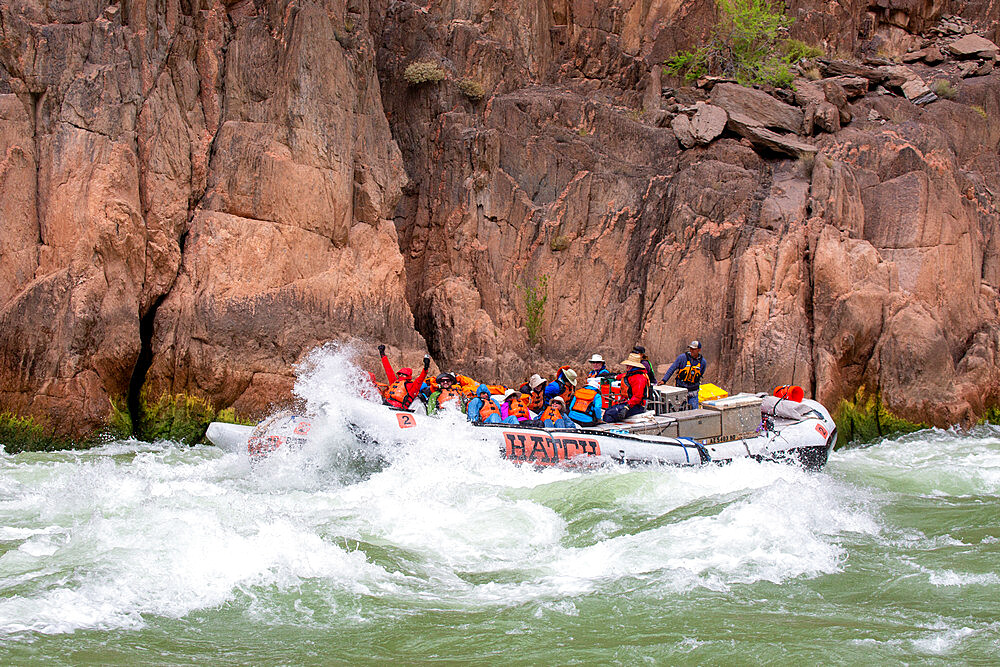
210	189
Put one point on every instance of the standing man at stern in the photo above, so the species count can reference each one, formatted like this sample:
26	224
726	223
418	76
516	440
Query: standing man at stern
690	368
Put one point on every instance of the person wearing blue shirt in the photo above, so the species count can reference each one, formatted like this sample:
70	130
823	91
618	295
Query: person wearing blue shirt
564	385
585	408
483	408
690	368
598	369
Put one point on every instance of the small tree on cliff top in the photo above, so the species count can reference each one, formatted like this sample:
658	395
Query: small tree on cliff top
746	44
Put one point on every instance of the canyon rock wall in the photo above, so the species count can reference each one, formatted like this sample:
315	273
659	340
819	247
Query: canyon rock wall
195	193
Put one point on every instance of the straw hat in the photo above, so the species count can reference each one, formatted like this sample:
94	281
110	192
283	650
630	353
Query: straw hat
596	359
535	380
634	359
570	376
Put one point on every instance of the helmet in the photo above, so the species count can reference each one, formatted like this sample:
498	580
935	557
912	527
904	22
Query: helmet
447	376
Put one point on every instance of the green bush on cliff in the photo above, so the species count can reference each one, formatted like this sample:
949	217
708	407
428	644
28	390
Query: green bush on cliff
24	434
471	89
425	71
747	44
866	419
180	418
535	296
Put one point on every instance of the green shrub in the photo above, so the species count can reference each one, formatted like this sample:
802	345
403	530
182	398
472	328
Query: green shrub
535	296
176	417
866	419
992	416
944	89
795	50
979	110
422	72
25	434
747	44
472	89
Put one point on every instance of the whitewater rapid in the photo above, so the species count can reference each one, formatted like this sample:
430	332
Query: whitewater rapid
130	536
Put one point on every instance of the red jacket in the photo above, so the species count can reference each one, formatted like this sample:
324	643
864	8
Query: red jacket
634	382
412	388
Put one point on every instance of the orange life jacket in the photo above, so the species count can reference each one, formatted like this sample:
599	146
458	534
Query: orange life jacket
489	408
567	392
398	393
537	399
552	412
583	399
518	409
447	395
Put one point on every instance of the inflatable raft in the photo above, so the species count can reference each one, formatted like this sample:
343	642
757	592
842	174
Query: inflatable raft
801	432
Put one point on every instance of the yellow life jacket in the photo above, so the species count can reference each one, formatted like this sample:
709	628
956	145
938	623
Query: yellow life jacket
691	372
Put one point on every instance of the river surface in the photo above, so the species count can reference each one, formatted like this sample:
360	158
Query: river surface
439	550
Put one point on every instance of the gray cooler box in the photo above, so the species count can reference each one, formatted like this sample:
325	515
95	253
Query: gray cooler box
740	414
668	399
698	424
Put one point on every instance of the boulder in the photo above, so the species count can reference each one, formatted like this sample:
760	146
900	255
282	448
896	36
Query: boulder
875	75
837	96
968	68
984	69
973	46
761	108
761	137
681	125
828	117
917	91
854	86
708	122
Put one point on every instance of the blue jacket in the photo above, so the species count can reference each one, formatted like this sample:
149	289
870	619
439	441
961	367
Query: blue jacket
476	404
689	371
603	373
592	416
552	390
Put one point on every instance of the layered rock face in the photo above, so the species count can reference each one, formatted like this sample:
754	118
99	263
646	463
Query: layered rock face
196	193
220	174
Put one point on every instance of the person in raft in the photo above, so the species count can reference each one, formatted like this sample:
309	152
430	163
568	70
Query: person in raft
641	351
564	385
402	387
534	392
514	408
690	368
634	382
598	369
585	408
447	394
483	409
554	415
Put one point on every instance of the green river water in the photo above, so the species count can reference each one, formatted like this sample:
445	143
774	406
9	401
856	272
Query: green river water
442	551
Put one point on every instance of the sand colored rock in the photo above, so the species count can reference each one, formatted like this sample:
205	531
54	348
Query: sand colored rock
708	122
